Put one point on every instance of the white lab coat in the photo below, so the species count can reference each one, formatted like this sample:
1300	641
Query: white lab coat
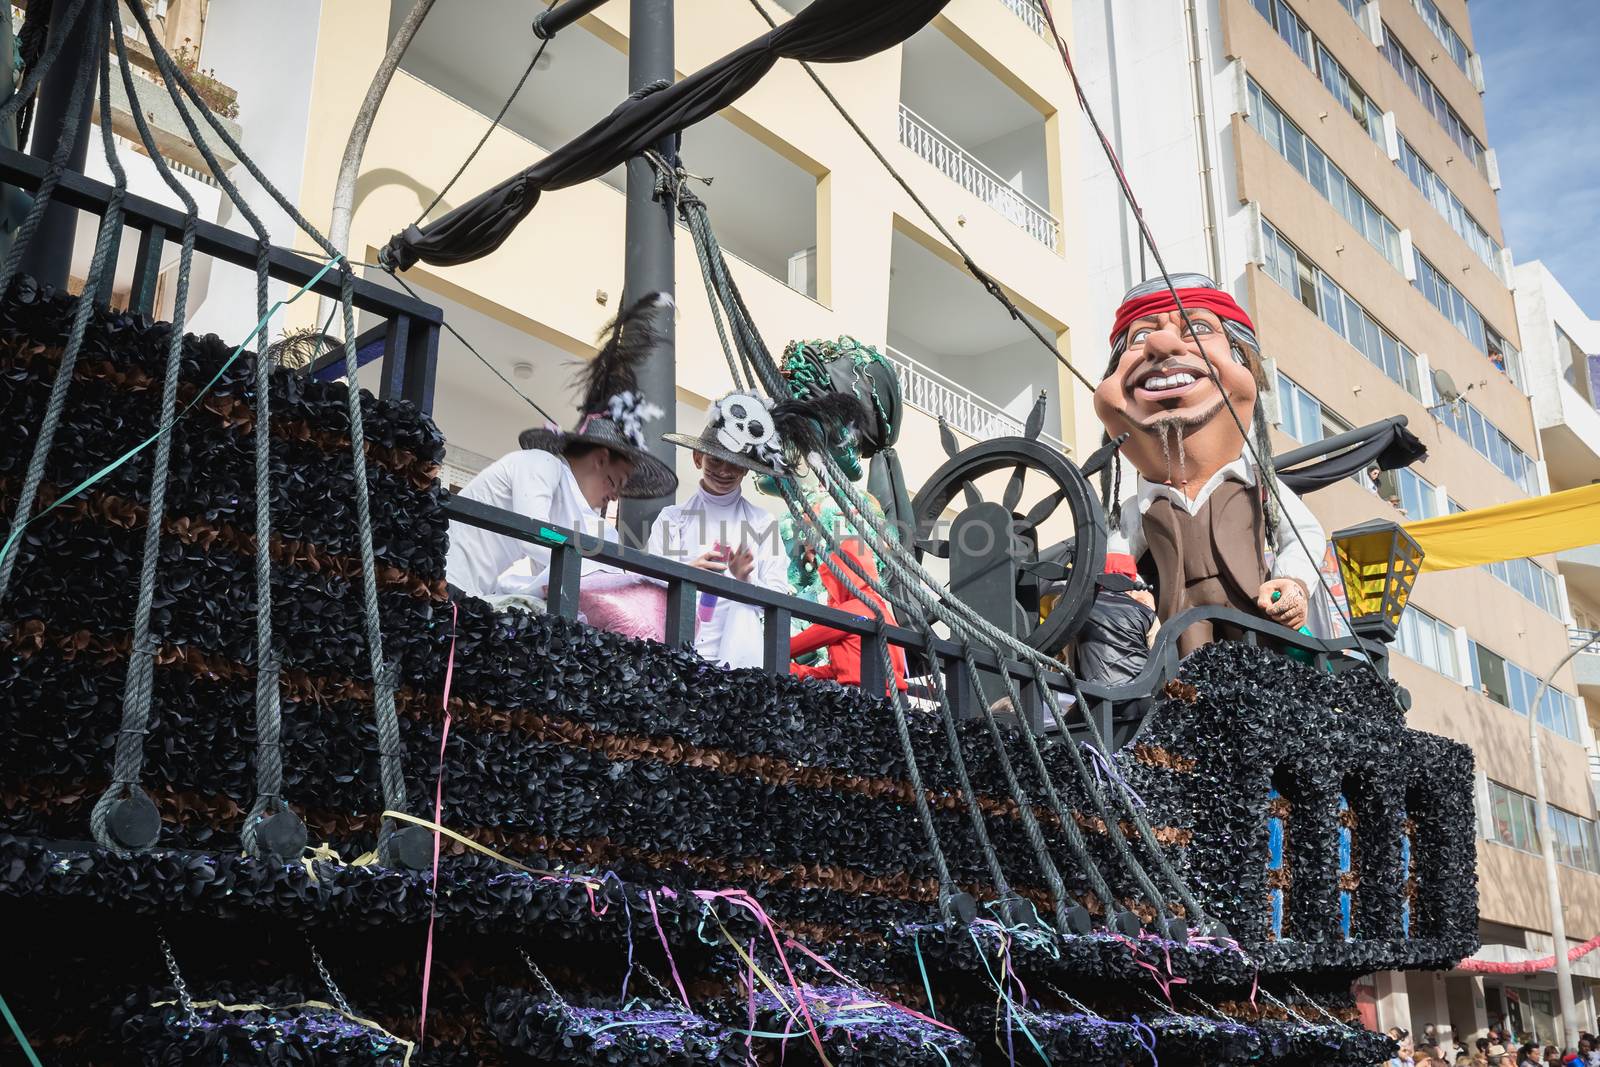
684	532
534	483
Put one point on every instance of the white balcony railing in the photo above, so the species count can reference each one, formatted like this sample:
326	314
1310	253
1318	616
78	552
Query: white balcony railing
961	167
1580	637
1028	11
931	392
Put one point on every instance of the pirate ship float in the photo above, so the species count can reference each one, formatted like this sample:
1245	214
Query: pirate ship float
270	793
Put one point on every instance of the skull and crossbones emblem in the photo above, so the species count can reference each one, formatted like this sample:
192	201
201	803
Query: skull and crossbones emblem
745	425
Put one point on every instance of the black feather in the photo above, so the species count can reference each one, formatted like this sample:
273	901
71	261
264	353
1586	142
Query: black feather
808	426
628	341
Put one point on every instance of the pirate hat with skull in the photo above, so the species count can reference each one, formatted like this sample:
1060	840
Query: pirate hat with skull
772	438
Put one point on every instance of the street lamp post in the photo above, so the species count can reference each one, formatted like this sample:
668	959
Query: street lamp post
1547	846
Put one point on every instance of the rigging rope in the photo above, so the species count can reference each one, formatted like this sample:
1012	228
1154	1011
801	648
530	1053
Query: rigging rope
752	351
385	673
67	366
139	686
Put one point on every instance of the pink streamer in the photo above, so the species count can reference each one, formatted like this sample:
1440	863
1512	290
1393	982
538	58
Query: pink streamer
671	963
1544	963
438	820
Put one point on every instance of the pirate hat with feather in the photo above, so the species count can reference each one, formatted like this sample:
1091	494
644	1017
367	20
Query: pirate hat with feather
613	412
774	438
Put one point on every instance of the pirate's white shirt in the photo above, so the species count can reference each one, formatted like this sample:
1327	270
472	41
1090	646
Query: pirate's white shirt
683	532
534	483
1292	560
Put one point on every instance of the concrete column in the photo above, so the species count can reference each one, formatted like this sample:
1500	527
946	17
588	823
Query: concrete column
1393	1000
1469	1014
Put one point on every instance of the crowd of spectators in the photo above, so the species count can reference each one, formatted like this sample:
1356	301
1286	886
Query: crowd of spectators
1497	1049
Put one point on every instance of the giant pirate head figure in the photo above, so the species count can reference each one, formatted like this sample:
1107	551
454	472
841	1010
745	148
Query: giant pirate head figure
1204	521
1162	387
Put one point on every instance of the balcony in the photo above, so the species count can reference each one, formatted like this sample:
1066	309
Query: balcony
1028	11
934	394
970	172
972	128
1586	665
959	355
763	202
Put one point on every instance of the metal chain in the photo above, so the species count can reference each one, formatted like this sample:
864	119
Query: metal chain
327	980
1317	1004
655	983
1073	1001
178	983
550	990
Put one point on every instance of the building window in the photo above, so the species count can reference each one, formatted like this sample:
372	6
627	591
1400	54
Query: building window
1290	268
1449	302
1487	440
1411	73
1511	686
1290	142
1513	822
1454	46
1303	43
1304	417
1578	368
1428	641
1447	204
1532	581
1418	497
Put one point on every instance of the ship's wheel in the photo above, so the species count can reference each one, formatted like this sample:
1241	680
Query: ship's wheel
1039	595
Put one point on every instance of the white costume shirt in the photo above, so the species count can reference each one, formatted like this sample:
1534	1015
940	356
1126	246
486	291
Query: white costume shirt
1292	560
683	532
534	483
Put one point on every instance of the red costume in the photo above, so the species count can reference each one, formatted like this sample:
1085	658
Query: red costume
844	650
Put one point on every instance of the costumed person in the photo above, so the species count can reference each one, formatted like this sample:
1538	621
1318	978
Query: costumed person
1114	644
854	559
719	529
1204	521
569	479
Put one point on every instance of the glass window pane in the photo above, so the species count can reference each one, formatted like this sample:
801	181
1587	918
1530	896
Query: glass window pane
1294	147
1330	303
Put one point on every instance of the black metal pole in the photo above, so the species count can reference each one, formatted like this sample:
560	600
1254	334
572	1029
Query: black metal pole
553	20
648	265
49	254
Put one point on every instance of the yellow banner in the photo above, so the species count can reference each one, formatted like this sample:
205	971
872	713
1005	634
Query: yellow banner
1531	527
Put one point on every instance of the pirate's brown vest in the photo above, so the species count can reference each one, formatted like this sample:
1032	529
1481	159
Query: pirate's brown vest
1213	557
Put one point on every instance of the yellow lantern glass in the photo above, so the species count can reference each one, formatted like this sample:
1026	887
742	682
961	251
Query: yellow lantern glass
1379	563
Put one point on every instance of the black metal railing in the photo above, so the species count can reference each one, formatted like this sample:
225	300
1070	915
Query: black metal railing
411	327
1118	710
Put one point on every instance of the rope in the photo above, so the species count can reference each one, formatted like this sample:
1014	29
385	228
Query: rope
976	271
385	675
916	580
56	404
138	688
268	701
501	114
720	287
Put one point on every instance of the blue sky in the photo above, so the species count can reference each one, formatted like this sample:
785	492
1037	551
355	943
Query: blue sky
1543	103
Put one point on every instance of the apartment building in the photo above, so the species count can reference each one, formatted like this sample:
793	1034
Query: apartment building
1562	354
1328	161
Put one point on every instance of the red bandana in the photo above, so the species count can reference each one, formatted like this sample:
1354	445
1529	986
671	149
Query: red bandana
1215	301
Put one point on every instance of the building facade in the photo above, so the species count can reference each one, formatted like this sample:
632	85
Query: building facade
973	110
1328	162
